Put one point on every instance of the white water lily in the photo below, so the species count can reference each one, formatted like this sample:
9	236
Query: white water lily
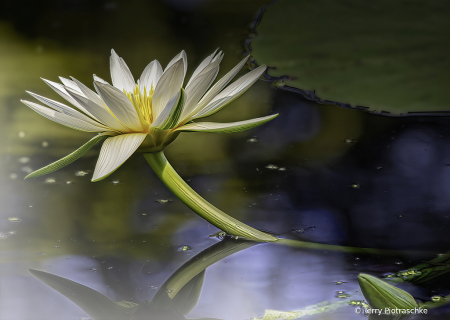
147	114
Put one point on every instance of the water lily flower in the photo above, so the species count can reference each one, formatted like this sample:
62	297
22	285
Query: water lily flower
148	113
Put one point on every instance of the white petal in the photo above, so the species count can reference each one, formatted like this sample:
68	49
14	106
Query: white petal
98	79
231	92
63	119
65	109
202	66
120	74
69	83
226	127
181	55
59	89
120	105
168	118
103	114
198	87
150	76
88	93
221	84
115	151
169	84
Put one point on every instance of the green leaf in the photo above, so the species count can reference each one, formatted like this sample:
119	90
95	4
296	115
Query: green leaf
95	304
67	159
378	54
225	127
187	298
380	294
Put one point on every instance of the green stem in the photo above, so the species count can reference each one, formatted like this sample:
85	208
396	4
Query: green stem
203	208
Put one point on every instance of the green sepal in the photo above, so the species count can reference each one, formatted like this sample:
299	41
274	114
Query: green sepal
61	163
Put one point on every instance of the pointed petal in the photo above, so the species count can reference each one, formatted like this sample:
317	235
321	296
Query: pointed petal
169	84
103	114
169	117
88	93
226	127
69	83
230	93
150	76
182	56
120	74
98	79
65	109
63	119
61	163
202	66
59	89
115	151
220	84
120	105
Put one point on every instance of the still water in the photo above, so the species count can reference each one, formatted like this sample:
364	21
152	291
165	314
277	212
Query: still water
318	173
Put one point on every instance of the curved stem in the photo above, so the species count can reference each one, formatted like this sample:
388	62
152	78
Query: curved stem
203	208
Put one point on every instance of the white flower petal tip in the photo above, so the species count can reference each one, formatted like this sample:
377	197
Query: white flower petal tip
120	74
115	151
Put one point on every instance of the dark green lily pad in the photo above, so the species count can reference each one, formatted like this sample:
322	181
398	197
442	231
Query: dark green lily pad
385	55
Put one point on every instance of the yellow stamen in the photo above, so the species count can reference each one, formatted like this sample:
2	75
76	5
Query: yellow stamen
142	102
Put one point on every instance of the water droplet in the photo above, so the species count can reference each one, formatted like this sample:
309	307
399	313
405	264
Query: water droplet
355	186
163	200
13	232
350	140
69	182
184	248
93	269
115	182
50	180
26	169
169	291
3	235
81	173
22	134
154	287
252	140
24	160
379	167
339	282
271	167
13	176
436	298
14	219
109	268
45	144
143	214
282	169
398	262
30	206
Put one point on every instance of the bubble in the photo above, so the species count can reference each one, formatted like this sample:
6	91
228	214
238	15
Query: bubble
356	186
341	294
22	134
154	287
44	144
185	248
436	298
109	268
350	140
93	269
163	200
271	167
3	235
13	232
339	282
143	214
14	219
282	169
13	176
81	173
24	160
69	182
26	169
50	180
56	247
252	140
115	182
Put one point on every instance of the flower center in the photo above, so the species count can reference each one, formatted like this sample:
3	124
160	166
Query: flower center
142	102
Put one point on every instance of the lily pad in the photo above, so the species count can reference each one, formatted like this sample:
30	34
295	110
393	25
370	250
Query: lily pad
385	55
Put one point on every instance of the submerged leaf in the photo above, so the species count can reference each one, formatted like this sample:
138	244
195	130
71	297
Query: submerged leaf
187	298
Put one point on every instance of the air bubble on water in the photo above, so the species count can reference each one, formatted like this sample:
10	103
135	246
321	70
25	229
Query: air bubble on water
350	140
282	169
184	248
271	167
143	214
69	182
163	200
56	247
24	159
115	182
22	134
13	176
398	262
26	169
339	282
81	173
13	232
109	268
341	294
154	287
436	298
14	219
50	180
93	269
169	291
3	235
30	206
252	140
356	186
45	144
